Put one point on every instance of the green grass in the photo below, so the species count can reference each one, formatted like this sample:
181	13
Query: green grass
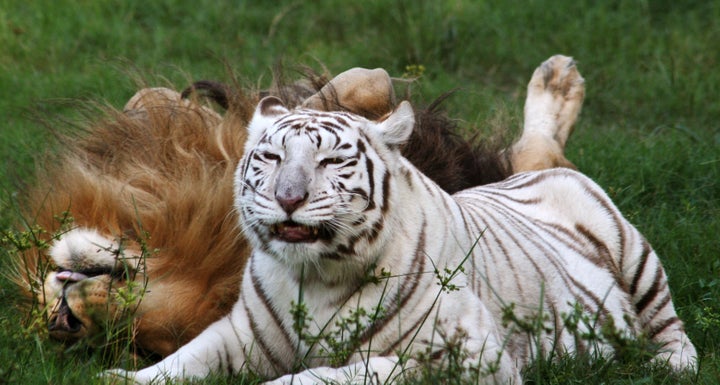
649	132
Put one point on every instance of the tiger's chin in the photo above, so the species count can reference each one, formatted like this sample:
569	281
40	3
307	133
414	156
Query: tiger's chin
293	232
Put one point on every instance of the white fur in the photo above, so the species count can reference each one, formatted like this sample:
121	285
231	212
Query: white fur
82	248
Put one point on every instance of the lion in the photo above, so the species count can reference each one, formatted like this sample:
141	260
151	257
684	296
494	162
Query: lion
156	178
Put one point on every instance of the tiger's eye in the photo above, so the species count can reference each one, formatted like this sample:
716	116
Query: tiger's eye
327	161
269	156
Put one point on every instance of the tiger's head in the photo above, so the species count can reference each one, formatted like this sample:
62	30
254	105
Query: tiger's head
313	187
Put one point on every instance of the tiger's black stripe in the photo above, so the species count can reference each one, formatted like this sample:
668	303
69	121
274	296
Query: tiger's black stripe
260	293
268	350
405	292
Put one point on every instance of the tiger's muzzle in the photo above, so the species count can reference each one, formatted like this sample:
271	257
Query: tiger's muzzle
293	232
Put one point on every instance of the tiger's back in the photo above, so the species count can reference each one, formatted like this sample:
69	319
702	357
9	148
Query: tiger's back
553	242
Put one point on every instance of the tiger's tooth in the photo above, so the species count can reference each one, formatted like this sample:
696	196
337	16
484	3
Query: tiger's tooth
276	228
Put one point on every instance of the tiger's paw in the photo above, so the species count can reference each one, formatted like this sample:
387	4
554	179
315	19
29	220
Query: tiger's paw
142	377
554	99
116	376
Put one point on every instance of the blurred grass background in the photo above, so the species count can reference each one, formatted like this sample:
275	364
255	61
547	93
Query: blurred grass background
649	132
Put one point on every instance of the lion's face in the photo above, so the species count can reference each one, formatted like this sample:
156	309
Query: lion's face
78	304
102	288
95	284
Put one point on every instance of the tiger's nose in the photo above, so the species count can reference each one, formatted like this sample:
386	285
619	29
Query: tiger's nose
290	201
291	190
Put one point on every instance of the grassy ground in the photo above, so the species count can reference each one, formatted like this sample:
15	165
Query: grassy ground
649	132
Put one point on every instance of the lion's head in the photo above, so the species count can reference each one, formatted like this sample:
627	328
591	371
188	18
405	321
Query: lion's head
149	188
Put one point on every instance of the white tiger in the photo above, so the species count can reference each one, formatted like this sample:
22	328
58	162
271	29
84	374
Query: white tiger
344	228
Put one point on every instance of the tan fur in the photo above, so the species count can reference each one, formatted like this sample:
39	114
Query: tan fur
365	92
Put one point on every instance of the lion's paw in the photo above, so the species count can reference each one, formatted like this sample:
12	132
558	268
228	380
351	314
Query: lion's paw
554	99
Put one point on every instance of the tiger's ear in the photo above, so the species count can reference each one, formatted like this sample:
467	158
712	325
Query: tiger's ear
266	112
398	126
270	106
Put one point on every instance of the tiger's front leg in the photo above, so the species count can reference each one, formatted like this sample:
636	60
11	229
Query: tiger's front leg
459	326
375	370
389	370
221	347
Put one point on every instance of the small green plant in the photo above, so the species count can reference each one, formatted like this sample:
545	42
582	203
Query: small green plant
118	328
413	71
338	341
708	318
30	269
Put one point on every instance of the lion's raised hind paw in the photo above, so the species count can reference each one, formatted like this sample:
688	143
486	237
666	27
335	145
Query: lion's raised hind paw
555	96
554	99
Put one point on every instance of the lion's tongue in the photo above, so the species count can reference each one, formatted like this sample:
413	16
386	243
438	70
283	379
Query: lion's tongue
71	276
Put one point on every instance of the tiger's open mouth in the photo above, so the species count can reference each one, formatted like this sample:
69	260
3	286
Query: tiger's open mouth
294	232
